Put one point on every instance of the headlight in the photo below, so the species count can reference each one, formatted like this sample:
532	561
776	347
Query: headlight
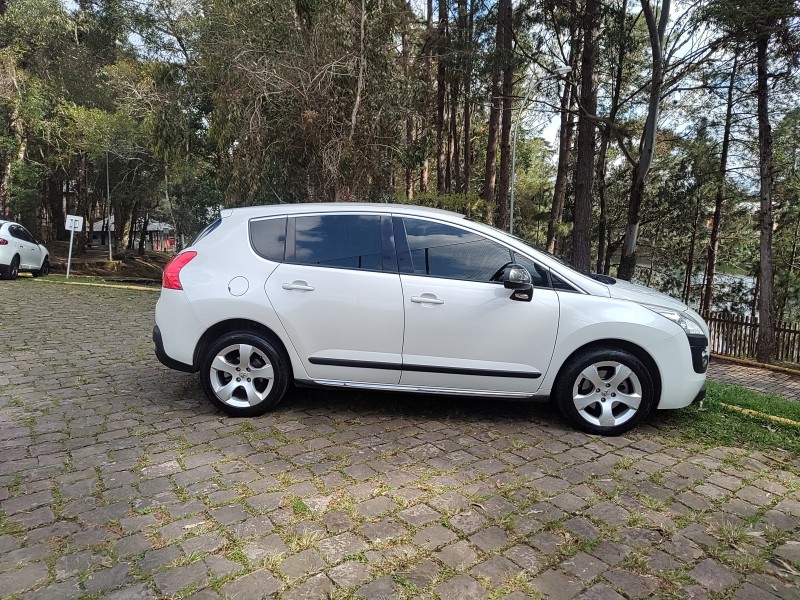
687	323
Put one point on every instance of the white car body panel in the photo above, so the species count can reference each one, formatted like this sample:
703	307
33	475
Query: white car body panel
349	315
463	333
31	255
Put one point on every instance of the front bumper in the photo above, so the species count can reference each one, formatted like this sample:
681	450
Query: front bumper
165	360
700	395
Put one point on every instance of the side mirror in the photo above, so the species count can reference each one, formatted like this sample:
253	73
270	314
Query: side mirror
516	277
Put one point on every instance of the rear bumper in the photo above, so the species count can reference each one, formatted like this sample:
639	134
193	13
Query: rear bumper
165	360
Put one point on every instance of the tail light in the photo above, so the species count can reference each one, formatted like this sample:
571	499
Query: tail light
3	242
172	270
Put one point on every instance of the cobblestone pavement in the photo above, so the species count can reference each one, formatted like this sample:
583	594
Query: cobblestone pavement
754	378
118	480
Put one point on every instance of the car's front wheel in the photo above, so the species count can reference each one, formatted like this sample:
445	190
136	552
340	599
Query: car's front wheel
605	391
244	374
45	270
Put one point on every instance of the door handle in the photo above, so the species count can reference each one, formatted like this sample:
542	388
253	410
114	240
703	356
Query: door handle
426	299
298	285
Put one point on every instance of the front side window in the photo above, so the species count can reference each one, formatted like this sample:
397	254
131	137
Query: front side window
538	273
348	241
442	250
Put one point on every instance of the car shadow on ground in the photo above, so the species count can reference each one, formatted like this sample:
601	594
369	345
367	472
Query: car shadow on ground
184	392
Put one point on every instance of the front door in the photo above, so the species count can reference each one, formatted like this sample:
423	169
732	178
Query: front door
338	295
462	329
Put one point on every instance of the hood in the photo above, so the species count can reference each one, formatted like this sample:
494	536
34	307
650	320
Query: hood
643	295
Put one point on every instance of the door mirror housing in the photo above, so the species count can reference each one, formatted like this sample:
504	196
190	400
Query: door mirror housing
516	277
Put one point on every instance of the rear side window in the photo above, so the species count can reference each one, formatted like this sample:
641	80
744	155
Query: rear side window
442	250
206	231
268	237
348	241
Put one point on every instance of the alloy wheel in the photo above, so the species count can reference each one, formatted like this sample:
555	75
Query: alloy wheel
241	375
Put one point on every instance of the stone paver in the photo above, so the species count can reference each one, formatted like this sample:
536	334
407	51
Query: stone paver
119	480
755	378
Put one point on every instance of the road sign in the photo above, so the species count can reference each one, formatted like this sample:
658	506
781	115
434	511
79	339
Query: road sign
73	223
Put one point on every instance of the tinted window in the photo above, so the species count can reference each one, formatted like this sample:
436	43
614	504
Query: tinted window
26	235
206	231
538	273
15	231
351	241
560	284
268	237
445	251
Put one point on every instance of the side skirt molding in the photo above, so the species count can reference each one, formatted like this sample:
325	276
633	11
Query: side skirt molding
385	387
364	364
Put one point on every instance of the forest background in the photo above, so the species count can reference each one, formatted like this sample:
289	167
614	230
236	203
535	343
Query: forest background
675	161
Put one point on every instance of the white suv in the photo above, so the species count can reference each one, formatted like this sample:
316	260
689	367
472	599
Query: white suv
403	298
20	251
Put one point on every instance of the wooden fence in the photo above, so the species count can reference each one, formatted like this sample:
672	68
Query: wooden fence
733	335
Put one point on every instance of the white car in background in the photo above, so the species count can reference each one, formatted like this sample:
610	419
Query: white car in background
412	299
20	251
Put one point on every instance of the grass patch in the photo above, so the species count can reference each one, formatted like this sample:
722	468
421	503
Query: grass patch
714	425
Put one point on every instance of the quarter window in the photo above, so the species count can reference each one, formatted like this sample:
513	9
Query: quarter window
442	250
349	241
268	237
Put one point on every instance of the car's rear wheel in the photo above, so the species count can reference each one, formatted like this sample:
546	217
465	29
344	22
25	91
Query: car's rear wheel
45	270
244	374
605	391
13	268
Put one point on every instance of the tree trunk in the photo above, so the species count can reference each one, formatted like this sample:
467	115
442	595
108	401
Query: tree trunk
765	347
424	174
792	258
441	95
506	10
143	234
82	208
605	139
454	144
647	144
468	98
584	167
565	135
713	244
689	273
492	136
18	131
409	169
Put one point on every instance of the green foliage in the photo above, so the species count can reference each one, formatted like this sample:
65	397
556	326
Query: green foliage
714	425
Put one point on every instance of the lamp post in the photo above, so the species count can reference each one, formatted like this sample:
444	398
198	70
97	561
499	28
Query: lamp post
561	71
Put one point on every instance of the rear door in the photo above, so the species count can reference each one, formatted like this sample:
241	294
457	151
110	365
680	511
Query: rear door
338	295
22	245
33	249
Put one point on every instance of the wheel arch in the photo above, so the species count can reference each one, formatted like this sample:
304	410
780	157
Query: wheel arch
231	325
634	349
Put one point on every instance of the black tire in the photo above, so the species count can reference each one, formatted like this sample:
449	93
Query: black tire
246	396
45	270
598	391
13	268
